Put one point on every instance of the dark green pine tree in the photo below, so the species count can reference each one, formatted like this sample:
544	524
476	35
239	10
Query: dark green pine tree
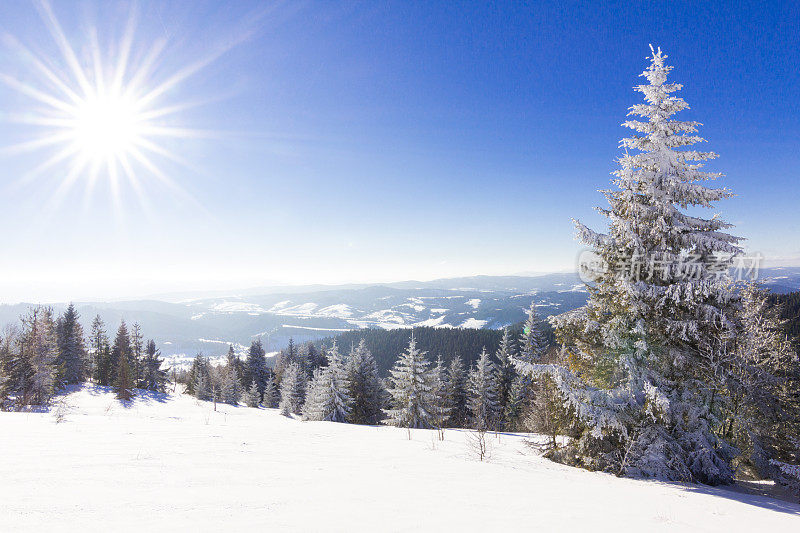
123	385
506	373
99	352
154	378
137	352
456	394
233	360
72	350
121	351
256	366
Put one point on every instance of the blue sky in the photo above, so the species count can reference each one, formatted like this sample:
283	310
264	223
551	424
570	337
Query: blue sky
385	141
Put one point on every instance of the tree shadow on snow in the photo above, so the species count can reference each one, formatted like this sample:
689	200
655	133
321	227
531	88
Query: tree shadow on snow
756	494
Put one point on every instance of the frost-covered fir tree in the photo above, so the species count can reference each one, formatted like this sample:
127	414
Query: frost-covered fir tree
440	410
29	360
482	399
762	404
270	397
412	398
506	374
199	379
137	352
328	395
643	350
251	397
99	351
292	390
456	394
72	350
532	343
230	388
365	387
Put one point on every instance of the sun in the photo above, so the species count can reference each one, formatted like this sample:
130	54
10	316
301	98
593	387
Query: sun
99	112
107	126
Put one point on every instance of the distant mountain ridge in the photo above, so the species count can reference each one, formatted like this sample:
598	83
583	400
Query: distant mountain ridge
182	328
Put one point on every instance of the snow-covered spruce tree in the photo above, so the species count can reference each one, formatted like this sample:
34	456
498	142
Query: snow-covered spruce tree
137	352
251	397
412	399
230	388
99	351
37	356
506	374
28	360
154	378
456	394
200	379
762	400
270	397
643	351
256	366
440	410
532	343
482	399
365	387
328	395
292	390
72	350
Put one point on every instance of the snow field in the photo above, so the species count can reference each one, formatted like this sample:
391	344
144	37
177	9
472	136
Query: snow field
173	463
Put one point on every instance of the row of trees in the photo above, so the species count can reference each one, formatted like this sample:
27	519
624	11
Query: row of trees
326	385
44	353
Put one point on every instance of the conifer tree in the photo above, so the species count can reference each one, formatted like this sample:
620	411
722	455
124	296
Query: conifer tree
154	378
28	360
137	347
506	374
232	359
482	399
292	390
366	389
456	394
124	384
256	366
440	410
121	349
199	378
762	404
643	351
412	398
71	347
98	351
252	396
230	388
270	398
328	396
533	344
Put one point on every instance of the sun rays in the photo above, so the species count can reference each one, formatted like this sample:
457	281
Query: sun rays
99	112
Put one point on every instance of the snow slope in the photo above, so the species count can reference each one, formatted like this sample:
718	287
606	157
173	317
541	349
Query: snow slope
172	463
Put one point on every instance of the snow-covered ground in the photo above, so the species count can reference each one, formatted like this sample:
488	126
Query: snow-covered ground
172	463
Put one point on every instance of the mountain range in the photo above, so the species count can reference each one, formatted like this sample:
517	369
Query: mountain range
183	325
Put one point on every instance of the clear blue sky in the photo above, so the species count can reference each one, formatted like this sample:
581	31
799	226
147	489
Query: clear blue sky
383	141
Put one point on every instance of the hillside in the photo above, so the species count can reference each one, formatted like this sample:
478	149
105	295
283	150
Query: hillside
172	463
